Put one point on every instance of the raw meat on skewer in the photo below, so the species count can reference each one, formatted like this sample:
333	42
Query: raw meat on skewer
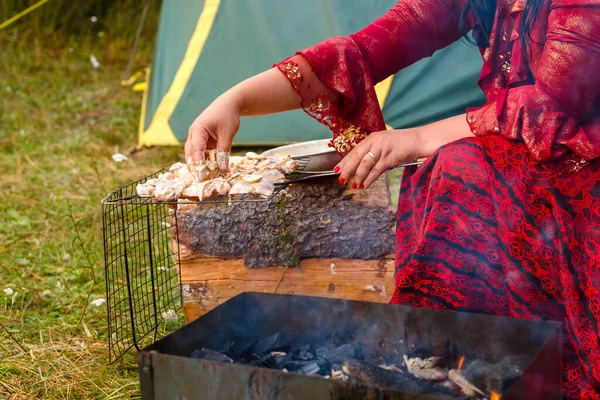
251	174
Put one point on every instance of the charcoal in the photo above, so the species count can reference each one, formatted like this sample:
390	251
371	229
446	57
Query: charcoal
484	375
497	377
295	365
308	367
423	350
336	355
302	351
278	356
418	372
207	354
271	343
241	351
394	367
280	360
381	360
255	363
368	374
428	368
268	361
227	347
443	349
466	386
323	351
302	367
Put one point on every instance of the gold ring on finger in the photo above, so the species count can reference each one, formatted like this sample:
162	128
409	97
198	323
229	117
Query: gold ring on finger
373	156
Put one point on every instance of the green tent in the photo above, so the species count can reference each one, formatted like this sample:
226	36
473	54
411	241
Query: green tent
206	46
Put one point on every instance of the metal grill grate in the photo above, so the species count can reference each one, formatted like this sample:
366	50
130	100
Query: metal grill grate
128	195
141	262
142	270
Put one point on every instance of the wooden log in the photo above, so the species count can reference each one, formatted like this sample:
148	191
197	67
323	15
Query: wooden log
324	220
209	282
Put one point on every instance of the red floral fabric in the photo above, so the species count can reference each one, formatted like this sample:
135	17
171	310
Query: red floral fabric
506	222
559	113
484	227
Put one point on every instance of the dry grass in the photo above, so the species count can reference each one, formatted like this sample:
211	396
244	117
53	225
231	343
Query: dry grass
60	122
63	367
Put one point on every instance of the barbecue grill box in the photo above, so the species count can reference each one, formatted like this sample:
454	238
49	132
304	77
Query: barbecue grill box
168	372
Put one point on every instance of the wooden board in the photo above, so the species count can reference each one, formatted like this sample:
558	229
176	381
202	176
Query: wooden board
208	282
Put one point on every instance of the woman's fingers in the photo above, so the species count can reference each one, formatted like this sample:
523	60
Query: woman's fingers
224	140
350	163
374	173
188	152
364	168
198	136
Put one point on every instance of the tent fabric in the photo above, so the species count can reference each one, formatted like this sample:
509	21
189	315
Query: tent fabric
205	47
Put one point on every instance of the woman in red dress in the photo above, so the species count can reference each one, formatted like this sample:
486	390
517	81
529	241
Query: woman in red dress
504	217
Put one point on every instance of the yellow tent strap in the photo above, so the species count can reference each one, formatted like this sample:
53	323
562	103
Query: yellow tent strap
22	13
382	89
160	133
133	79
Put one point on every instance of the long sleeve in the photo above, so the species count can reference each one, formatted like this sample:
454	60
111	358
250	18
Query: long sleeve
350	66
560	112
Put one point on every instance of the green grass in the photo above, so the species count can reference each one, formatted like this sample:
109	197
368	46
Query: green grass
60	122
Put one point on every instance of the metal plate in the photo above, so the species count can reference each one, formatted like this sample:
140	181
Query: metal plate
322	156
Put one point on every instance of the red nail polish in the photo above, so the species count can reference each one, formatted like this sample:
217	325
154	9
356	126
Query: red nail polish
336	170
362	186
341	181
354	186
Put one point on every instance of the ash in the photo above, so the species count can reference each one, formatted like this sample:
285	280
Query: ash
417	372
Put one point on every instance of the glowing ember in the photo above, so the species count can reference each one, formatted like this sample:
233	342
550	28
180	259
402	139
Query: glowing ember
461	360
494	396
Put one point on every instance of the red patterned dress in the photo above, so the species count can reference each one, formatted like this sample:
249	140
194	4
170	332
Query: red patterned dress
506	222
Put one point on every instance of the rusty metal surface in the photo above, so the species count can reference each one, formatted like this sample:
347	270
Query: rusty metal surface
171	374
178	378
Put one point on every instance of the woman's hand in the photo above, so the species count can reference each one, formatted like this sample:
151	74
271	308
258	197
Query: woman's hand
376	154
214	129
265	93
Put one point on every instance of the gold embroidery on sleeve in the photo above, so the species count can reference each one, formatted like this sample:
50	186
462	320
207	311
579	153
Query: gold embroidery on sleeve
292	70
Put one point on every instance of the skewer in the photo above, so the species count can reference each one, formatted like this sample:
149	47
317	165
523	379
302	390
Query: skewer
324	174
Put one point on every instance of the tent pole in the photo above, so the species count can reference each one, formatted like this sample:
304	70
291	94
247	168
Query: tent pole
137	39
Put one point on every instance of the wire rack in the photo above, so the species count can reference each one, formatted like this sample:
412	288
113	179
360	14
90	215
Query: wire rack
141	266
141	261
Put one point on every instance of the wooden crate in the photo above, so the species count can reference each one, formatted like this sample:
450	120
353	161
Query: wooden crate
343	237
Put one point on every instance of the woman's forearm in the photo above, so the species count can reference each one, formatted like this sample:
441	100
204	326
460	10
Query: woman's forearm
266	93
271	92
433	136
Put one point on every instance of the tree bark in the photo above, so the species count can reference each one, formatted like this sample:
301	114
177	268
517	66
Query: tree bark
315	220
